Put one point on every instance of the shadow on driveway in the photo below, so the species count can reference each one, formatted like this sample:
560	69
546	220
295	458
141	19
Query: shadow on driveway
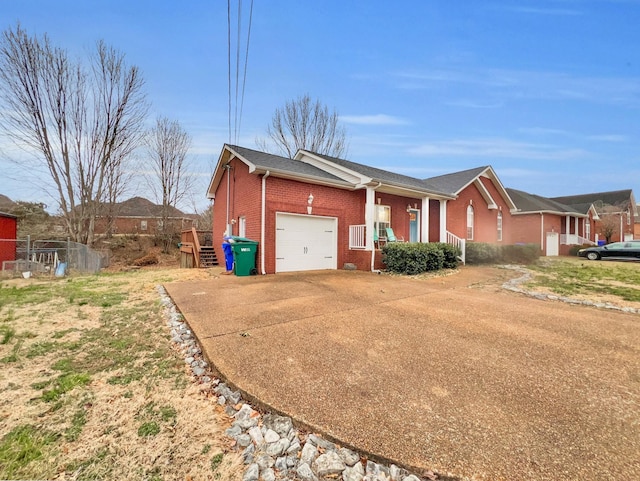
448	373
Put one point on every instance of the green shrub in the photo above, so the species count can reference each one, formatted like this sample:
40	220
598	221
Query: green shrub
416	258
573	251
485	253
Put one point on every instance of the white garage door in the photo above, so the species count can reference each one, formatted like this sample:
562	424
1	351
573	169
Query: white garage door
306	242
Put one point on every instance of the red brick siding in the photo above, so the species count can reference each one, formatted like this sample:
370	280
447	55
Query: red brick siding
399	214
434	220
8	231
485	219
289	196
525	228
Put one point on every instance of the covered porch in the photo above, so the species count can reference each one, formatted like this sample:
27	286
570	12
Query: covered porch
411	218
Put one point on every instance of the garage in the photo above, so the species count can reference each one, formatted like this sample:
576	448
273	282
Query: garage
306	242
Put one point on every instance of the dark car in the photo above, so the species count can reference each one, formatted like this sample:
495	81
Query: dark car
621	250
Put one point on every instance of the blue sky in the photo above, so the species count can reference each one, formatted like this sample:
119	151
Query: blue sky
545	91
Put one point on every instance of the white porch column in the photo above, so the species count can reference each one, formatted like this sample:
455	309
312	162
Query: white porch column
369	217
577	232
567	223
443	221
424	222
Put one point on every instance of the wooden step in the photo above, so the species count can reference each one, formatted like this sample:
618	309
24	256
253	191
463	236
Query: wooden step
208	256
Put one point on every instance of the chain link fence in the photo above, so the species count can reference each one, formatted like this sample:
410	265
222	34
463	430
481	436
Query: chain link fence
26	257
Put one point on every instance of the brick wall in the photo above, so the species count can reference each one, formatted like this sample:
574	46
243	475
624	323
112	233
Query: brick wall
284	195
532	228
485	219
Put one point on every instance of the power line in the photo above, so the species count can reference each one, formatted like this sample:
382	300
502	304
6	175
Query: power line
246	61
235	89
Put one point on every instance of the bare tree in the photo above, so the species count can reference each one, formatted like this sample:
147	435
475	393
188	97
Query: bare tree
303	124
612	218
167	146
82	122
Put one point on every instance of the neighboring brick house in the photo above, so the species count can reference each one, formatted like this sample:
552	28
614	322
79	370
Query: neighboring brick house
141	216
552	225
8	235
319	212
636	225
616	212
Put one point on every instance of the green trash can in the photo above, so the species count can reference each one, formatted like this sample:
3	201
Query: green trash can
244	256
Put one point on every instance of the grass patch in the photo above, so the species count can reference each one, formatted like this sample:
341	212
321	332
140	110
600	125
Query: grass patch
6	334
216	461
150	428
22	446
64	384
567	278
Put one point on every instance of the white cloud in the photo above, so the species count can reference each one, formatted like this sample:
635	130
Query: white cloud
495	148
377	119
506	84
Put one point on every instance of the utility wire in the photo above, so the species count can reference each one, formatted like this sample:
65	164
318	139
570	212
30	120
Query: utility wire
246	61
235	117
235	126
229	60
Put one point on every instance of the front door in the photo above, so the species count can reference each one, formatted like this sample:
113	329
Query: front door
414	225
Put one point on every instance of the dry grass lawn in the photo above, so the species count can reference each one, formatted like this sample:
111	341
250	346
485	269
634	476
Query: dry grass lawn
91	388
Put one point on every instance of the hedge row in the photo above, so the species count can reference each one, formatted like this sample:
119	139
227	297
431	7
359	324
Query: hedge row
415	258
483	253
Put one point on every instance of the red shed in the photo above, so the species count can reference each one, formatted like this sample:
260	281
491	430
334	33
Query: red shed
8	234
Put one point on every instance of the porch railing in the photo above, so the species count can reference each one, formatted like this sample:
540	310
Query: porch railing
574	239
357	239
458	242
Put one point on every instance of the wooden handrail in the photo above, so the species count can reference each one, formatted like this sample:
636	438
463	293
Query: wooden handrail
196	244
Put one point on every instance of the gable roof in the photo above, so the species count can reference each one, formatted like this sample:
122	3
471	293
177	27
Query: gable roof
531	203
141	207
378	175
619	198
456	181
278	166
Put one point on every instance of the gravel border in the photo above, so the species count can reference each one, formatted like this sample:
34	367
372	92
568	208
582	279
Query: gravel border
513	285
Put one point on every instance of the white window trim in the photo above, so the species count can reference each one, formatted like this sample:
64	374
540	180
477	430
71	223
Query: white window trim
470	217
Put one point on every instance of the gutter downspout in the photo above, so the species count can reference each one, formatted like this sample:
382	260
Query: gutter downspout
226	226
373	246
263	220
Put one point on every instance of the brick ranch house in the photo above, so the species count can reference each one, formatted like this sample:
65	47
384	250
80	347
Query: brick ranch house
616	212
551	224
141	216
319	212
8	235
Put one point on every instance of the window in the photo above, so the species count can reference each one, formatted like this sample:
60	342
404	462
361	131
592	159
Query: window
499	226
382	219
587	230
470	222
242	226
143	225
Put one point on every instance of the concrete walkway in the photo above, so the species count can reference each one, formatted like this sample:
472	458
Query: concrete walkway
450	373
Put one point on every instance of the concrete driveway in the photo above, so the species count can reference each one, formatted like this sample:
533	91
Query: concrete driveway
451	374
